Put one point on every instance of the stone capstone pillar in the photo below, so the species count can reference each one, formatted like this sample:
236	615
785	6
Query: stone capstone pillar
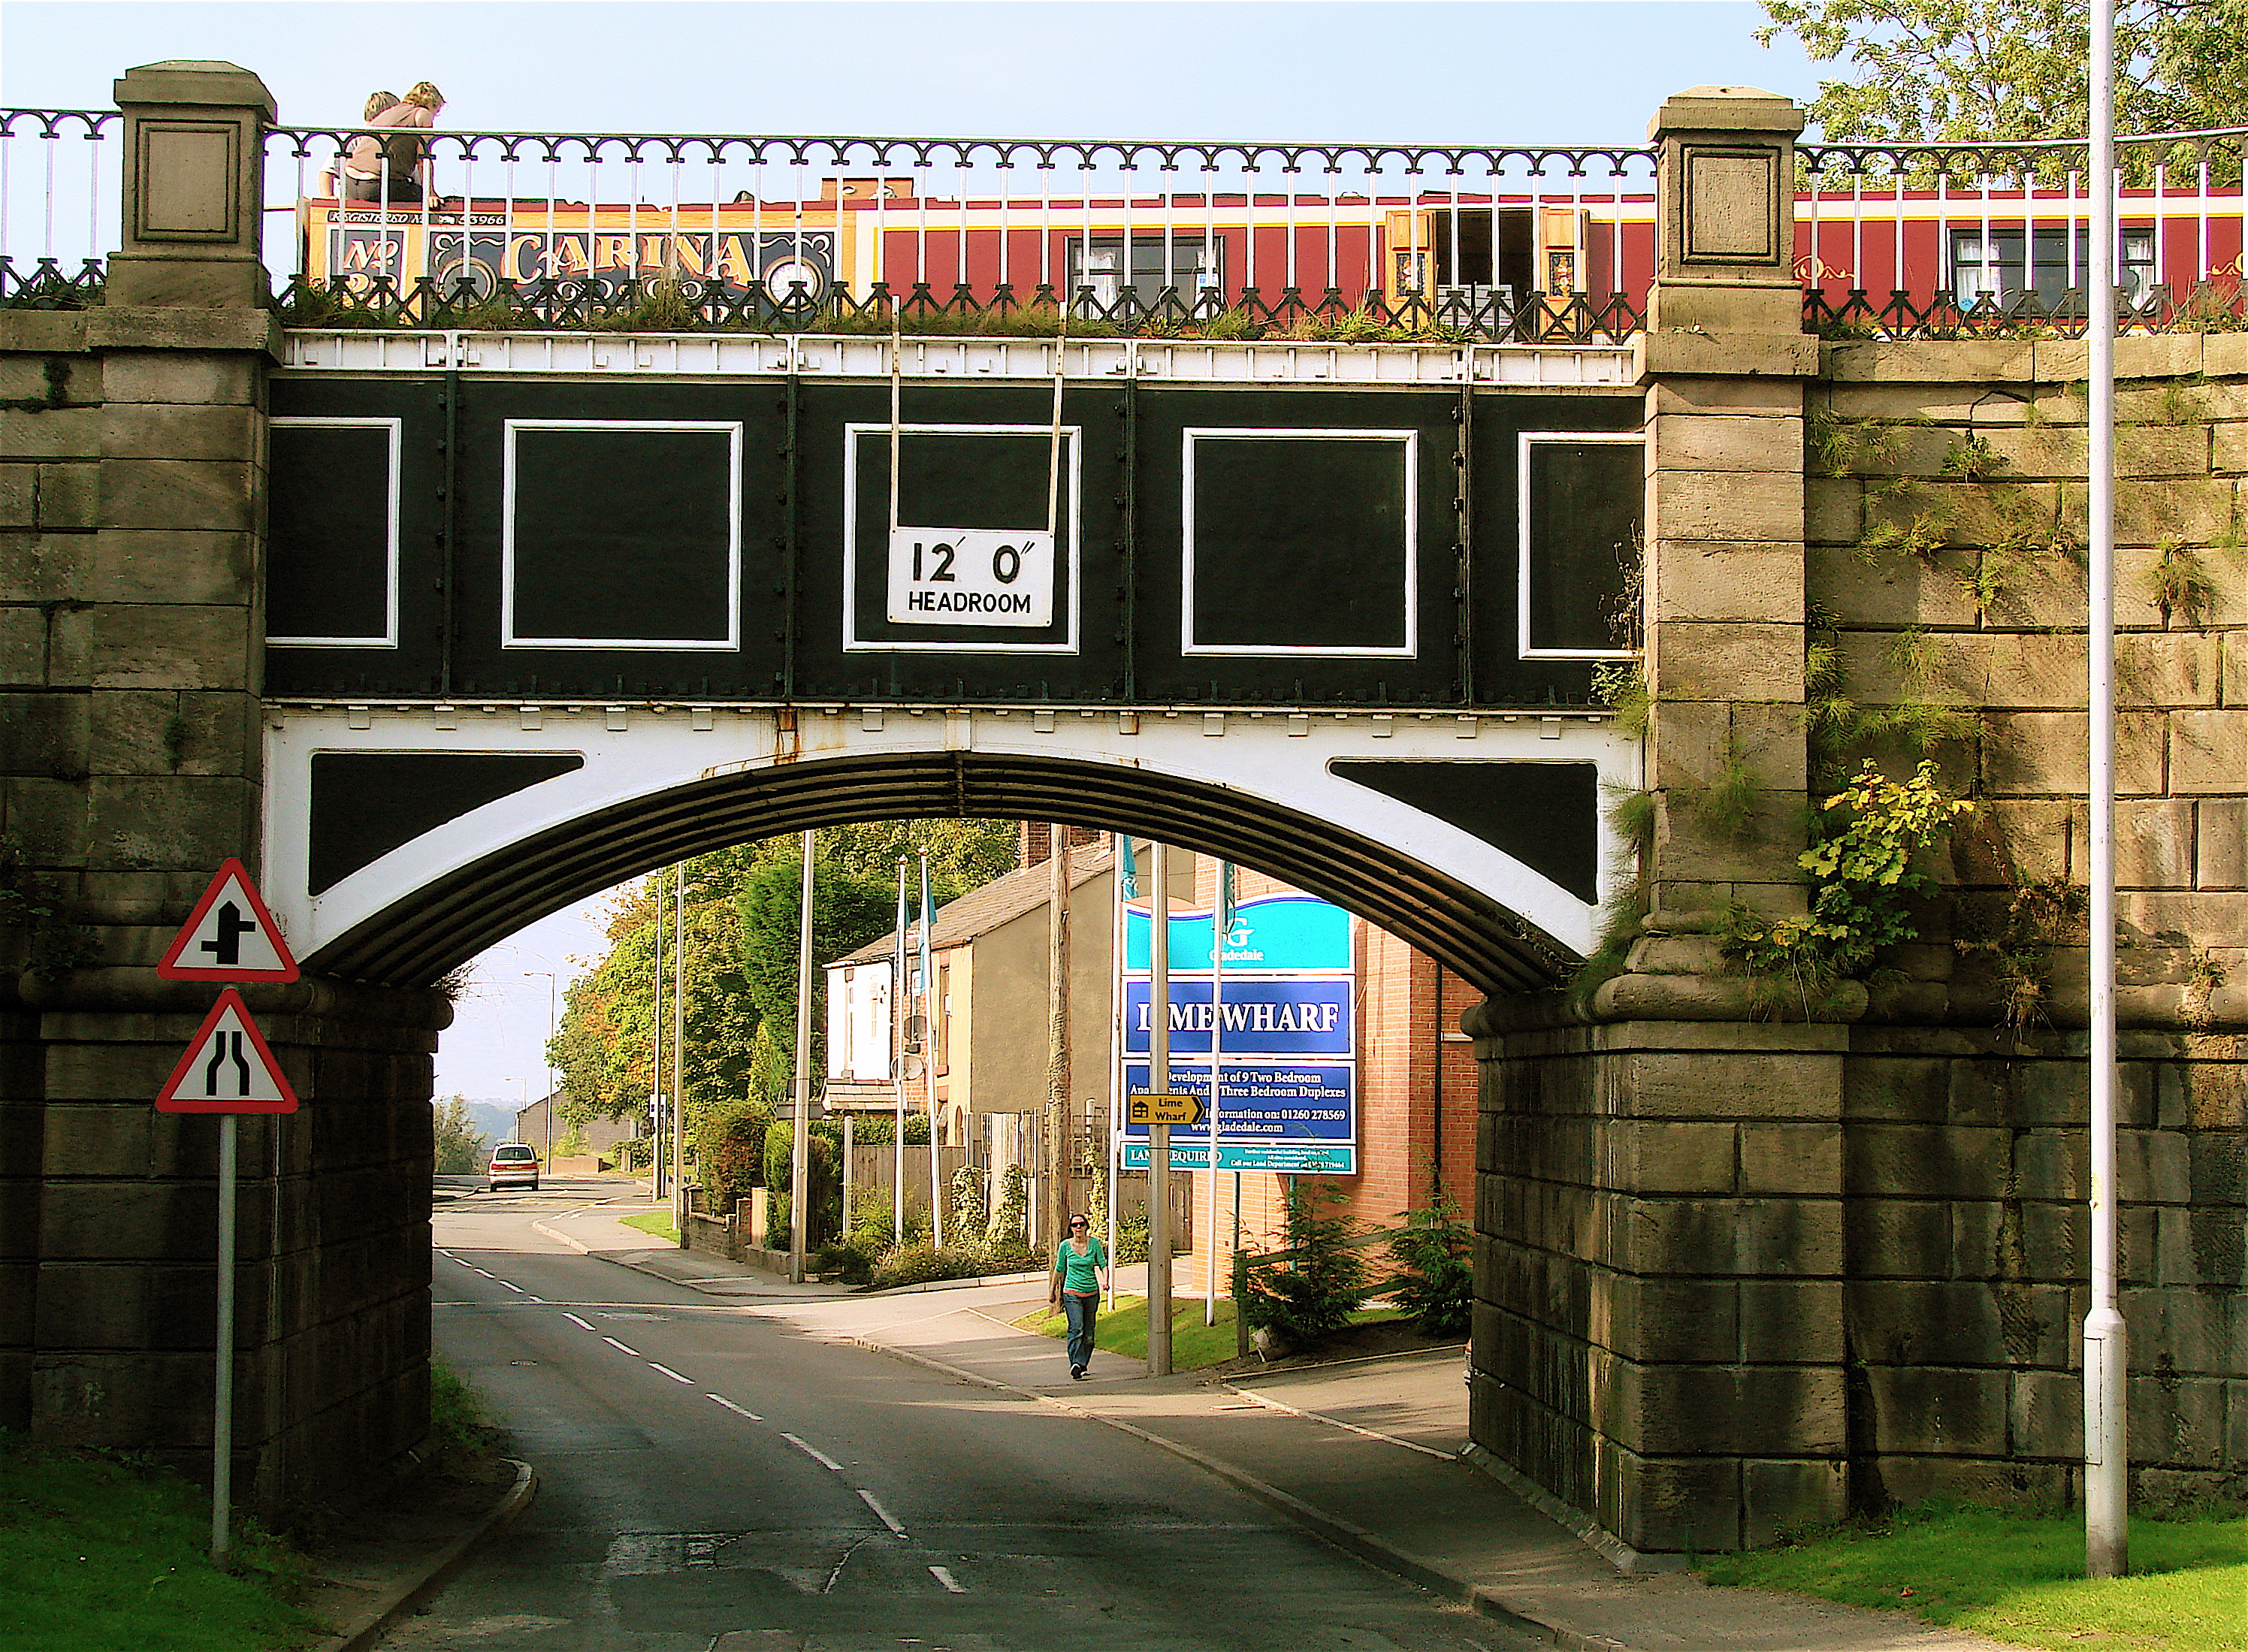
1658	1342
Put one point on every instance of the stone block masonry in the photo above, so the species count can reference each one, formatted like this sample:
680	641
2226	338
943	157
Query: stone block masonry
1732	1272
132	642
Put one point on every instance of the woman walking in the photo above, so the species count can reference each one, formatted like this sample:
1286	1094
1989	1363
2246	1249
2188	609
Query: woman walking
1077	1287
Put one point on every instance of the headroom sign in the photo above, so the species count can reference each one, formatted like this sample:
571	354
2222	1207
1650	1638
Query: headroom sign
971	575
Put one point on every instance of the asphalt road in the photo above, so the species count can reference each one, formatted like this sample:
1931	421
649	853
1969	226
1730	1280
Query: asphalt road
712	1478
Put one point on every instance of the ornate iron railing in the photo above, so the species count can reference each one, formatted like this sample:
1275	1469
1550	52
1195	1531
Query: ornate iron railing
976	235
1983	240
1343	241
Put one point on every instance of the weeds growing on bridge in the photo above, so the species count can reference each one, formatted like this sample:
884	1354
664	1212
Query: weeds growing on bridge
1863	879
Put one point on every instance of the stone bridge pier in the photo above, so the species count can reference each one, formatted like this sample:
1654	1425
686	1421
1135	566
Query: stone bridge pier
132	643
1658	1340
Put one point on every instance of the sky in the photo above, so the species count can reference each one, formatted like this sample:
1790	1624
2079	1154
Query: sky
1528	72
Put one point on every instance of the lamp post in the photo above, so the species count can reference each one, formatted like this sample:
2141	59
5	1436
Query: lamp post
2107	1361
546	1063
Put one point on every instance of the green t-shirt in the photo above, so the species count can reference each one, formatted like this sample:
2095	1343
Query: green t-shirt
1081	1273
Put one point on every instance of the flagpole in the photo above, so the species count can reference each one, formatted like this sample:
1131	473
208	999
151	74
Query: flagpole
898	1067
1159	1136
1120	882
1221	909
2107	1465
929	1061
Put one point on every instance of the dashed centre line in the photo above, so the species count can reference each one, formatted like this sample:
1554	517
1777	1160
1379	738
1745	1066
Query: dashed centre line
944	1574
814	1453
621	1348
729	1404
579	1323
880	1514
506	1285
668	1372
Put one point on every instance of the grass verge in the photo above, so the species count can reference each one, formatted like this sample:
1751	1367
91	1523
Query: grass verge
96	1554
2019	1577
655	1222
1123	1329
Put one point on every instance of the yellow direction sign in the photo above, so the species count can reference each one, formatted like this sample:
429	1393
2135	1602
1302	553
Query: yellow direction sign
1162	1109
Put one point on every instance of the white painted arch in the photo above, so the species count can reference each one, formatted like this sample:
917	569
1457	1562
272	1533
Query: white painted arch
661	781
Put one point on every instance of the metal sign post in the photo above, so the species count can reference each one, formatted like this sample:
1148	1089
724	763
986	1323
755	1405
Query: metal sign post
222	1385
229	1070
1159	1136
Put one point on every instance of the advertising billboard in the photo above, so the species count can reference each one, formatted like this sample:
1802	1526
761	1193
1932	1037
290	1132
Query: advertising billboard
1285	1038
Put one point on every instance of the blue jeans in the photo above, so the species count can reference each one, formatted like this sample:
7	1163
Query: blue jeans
1081	1309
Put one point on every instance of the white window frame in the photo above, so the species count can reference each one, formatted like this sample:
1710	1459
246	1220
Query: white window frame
730	643
396	427
1534	438
1406	440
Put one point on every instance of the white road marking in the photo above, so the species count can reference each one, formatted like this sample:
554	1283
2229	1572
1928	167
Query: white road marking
579	1323
621	1348
944	1574
474	1269
735	1409
668	1372
539	1300
814	1453
517	1289
880	1514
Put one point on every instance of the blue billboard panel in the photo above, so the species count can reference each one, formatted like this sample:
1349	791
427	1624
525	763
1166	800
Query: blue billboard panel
1274	1115
1280	932
1262	1017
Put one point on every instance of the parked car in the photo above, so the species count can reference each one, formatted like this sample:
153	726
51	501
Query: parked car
512	1165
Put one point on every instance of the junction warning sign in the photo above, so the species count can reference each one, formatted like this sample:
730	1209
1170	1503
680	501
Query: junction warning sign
229	936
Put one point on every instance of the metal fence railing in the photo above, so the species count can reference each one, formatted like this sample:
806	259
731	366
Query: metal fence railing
1352	242
1989	239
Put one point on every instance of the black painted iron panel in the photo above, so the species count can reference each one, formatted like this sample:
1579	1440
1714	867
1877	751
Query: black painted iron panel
825	670
483	666
1301	586
622	533
998	481
1500	675
1324	519
1544	814
366	804
328	532
1129	594
301	498
1587	500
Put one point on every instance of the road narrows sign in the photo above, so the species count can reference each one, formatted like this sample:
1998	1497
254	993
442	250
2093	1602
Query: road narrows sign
228	1067
229	936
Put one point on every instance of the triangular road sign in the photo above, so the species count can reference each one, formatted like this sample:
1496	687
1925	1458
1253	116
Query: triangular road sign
231	937
228	1068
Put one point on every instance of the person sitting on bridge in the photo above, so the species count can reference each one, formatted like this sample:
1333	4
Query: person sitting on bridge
391	168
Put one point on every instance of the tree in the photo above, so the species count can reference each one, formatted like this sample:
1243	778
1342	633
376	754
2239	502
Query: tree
2014	71
602	1045
460	1145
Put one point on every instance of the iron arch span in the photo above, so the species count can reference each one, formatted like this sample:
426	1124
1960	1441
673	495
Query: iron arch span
397	848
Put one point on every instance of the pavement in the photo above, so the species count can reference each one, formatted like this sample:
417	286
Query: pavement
1369	1454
